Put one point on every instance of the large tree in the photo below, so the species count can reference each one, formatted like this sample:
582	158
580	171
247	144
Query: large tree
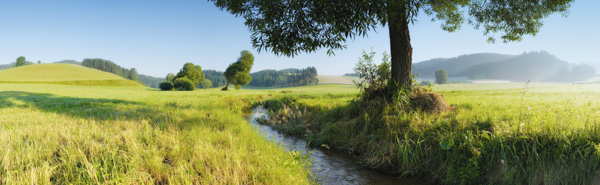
238	73
288	27
191	72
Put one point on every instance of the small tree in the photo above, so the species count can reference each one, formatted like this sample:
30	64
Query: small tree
373	77
206	83
238	73
39	62
191	72
20	61
184	84
170	77
441	76
132	74
166	86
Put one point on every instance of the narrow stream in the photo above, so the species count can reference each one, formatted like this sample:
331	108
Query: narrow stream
330	167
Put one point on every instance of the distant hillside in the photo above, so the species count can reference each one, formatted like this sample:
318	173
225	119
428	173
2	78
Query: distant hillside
457	66
535	66
62	74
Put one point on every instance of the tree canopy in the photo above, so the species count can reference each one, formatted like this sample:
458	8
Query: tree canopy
238	73
20	61
290	27
191	72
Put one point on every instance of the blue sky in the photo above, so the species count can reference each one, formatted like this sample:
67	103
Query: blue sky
158	37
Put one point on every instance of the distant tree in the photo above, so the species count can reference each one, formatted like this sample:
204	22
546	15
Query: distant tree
184	84
441	76
166	86
291	27
132	74
191	72
20	61
206	83
39	62
238	73
170	77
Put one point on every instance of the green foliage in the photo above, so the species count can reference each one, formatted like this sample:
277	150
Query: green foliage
170	77
441	76
238	73
290	27
373	77
39	62
166	86
216	77
287	77
183	84
206	83
150	81
20	61
190	71
132	74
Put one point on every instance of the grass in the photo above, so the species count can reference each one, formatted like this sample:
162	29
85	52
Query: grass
61	134
347	80
68	74
498	133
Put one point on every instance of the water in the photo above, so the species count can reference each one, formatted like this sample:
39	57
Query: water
330	167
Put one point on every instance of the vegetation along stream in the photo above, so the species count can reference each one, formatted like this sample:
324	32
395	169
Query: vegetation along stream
328	166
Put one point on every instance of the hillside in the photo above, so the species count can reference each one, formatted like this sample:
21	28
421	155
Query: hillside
62	74
536	66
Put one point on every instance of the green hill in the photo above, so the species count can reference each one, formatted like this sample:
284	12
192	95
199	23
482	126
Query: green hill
68	74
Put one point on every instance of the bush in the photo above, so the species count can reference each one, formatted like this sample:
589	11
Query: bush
441	76
183	84
373	78
166	86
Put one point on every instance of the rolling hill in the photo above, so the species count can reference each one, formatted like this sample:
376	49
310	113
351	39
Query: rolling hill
68	74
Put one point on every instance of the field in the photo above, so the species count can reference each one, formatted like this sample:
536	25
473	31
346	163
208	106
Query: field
68	74
497	133
64	134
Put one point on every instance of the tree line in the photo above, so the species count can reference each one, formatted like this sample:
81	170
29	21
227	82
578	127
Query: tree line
111	67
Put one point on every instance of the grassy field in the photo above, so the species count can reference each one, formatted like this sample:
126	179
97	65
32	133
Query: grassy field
497	133
504	133
64	134
68	74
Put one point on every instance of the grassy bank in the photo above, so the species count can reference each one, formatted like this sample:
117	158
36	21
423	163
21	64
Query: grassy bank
497	133
64	134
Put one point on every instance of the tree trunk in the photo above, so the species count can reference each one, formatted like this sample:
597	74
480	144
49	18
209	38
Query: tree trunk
226	87
400	48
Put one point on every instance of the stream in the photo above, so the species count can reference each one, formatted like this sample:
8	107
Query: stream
329	167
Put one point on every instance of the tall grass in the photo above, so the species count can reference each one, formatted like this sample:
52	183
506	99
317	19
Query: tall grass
487	138
60	134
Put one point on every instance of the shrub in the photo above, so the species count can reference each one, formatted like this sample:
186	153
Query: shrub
183	84
166	86
441	76
373	77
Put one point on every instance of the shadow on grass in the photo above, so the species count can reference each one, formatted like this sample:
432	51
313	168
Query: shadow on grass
99	109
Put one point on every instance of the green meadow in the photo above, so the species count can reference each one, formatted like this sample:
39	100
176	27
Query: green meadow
68	74
505	133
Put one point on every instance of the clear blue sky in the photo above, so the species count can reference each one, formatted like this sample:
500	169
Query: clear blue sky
157	37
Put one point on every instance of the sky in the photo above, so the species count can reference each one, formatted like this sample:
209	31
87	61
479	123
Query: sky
157	37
